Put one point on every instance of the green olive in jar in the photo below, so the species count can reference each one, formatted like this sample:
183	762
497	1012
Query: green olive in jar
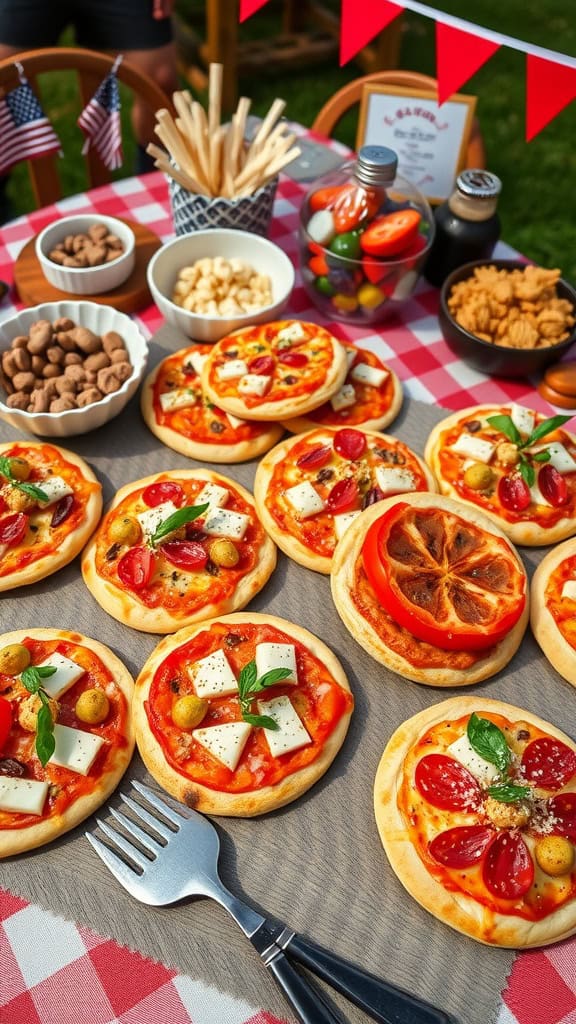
125	530
478	476
14	659
222	552
189	711
20	469
92	706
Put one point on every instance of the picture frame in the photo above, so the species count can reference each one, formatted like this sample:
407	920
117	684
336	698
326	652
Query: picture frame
431	140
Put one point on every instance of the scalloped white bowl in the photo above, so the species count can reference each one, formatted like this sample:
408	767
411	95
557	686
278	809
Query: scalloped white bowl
99	319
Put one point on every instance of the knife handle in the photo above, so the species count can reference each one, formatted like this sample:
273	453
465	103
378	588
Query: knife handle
309	1007
381	1000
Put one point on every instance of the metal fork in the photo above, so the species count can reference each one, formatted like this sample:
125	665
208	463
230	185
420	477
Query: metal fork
181	859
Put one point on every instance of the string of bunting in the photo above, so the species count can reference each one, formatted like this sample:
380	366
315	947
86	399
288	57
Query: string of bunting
461	49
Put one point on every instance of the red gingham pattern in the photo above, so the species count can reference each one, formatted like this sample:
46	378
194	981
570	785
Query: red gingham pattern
115	988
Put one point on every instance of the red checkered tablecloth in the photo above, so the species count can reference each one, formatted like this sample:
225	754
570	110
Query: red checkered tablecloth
84	978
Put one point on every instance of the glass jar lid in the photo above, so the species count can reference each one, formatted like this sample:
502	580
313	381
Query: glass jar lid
377	165
479	184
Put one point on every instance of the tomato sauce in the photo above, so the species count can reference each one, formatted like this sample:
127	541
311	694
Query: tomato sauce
66	786
562	610
318	699
371	402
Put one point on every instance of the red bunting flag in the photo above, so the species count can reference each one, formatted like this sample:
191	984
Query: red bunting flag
249	7
549	88
458	56
361	20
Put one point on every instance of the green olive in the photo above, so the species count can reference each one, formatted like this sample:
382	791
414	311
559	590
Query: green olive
19	468
222	552
14	659
189	711
92	707
125	531
478	476
555	855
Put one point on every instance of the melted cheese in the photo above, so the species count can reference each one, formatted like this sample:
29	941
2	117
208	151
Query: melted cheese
462	751
179	398
254	384
75	749
225	742
371	375
54	488
152	518
22	796
474	448
66	674
221	523
212	676
304	499
291	734
270	655
344	398
231	370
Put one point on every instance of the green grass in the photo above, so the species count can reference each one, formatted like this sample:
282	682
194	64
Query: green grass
537	206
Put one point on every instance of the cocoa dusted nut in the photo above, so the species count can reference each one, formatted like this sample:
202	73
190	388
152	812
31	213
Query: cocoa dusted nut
95	254
39	401
55	354
21	359
24	381
63	404
65	385
108	379
113	242
40	337
64	323
20	341
97	232
85	340
19	400
75	372
70	261
49	387
51	370
8	365
119	355
97	362
123	371
65	340
111	341
69	243
88	396
37	364
73	359
91	376
56	256
79	242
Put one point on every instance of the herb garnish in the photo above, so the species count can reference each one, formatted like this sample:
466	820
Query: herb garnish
249	684
32	679
187	514
507	427
490	743
508	792
30	489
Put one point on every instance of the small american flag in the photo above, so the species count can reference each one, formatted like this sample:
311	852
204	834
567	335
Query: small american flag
25	131
100	122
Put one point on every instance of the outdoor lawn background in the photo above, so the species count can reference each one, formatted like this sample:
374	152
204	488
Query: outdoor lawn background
538	201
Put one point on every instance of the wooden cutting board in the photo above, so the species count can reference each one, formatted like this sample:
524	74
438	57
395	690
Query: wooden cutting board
33	288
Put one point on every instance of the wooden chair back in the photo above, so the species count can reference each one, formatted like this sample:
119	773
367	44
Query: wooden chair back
351	94
90	68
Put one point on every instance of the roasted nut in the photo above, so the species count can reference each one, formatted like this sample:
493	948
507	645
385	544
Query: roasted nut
79	241
51	370
21	359
97	232
86	340
70	261
20	341
9	367
63	404
40	337
64	323
123	371
18	400
37	364
88	396
111	341
55	354
56	256
97	361
108	379
65	340
95	254
24	381
76	372
65	385
39	401
73	359
119	355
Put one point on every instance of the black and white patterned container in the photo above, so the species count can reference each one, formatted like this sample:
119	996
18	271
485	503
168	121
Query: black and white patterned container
192	212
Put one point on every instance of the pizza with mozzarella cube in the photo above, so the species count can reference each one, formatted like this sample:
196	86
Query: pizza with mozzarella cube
553	608
241	714
176	548
475	802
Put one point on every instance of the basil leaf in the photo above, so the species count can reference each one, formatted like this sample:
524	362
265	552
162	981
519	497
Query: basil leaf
31	679
45	670
489	742
505	425
275	675
32	491
546	427
262	721
543	456
247	679
5	467
45	742
508	792
527	472
184	515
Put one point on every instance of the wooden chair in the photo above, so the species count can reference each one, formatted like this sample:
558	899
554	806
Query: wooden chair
91	68
351	94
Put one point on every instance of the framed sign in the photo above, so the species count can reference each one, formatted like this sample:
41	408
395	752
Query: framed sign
430	140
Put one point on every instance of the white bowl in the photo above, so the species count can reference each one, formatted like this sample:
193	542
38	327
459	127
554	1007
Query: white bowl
86	280
99	319
258	252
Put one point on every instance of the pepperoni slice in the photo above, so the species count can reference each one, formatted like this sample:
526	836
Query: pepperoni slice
164	490
562	809
135	568
186	554
548	763
297	359
350	444
262	364
316	457
445	783
553	486
508	870
13	528
461	847
3	504
514	493
343	496
62	510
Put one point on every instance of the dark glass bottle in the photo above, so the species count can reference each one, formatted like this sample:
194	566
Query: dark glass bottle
467	225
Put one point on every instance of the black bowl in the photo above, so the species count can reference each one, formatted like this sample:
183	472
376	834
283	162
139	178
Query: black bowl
499	360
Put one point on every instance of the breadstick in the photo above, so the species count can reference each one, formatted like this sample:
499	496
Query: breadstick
277	164
275	112
215	97
239	128
168	133
163	164
201	138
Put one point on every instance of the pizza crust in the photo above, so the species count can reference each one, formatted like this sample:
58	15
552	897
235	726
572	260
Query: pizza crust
286	541
15	841
346	555
210	801
73	542
203	451
126	607
459	911
525	532
301	423
559	652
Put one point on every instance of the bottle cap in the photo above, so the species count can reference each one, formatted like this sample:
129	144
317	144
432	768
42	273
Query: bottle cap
479	184
376	165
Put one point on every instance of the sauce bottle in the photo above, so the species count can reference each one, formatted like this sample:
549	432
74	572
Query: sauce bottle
467	225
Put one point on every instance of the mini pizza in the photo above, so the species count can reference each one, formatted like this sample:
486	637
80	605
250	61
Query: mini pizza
370	397
176	548
309	488
66	735
432	589
177	412
512	463
274	371
475	802
50	503
242	714
553	608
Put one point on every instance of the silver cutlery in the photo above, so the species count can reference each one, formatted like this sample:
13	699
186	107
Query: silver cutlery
165	851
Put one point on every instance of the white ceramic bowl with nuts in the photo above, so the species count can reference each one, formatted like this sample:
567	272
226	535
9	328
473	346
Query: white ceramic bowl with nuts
104	245
234	247
68	367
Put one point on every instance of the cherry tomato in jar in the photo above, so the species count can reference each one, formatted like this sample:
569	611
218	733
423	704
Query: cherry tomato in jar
315	457
553	486
343	496
514	493
13	528
164	490
355	206
318	265
392	234
374	270
324	198
349	443
186	554
136	567
5	721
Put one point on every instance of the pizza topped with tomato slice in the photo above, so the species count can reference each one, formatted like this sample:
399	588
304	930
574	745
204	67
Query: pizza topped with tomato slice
176	548
475	802
514	464
66	735
50	503
274	371
241	714
176	410
432	589
553	608
309	488
370	397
